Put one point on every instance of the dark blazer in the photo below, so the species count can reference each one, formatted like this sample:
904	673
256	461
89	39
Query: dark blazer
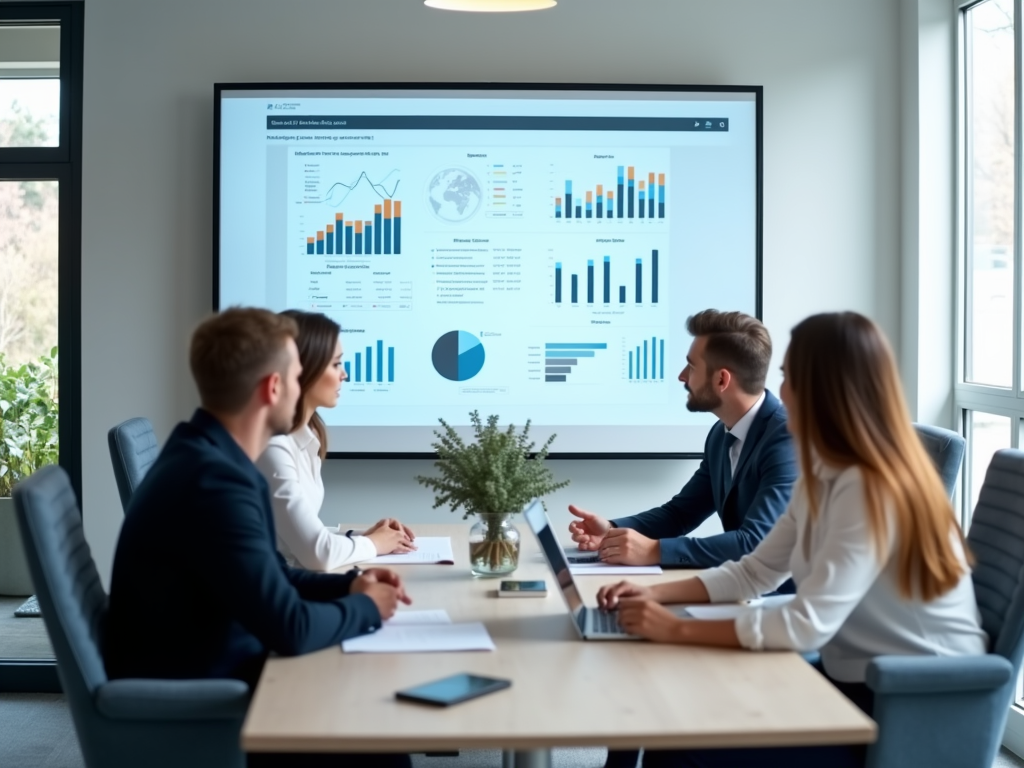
198	588
748	504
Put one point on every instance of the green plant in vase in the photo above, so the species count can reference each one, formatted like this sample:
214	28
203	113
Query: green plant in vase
491	477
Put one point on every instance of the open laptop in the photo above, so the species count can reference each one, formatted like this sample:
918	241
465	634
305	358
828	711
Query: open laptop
590	623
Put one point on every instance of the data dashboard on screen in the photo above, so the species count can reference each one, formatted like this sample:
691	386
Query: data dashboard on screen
526	251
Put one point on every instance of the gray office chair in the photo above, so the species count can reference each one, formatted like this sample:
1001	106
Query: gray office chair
949	712
946	449
133	449
120	723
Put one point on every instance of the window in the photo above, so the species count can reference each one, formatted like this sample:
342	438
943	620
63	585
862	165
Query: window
40	269
989	386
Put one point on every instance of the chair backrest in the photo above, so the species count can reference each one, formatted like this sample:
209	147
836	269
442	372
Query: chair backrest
946	449
70	593
133	449
996	538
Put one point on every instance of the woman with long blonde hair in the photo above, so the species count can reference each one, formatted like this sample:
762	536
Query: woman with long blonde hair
869	538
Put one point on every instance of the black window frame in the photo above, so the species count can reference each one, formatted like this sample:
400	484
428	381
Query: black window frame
63	164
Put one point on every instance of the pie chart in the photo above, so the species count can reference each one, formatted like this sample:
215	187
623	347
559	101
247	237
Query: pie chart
458	355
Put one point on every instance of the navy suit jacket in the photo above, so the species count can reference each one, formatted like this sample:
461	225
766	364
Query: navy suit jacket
748	503
198	588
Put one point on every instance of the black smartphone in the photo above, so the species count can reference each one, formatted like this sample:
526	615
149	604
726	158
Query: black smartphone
453	690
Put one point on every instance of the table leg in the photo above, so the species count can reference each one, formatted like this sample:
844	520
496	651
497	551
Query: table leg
530	758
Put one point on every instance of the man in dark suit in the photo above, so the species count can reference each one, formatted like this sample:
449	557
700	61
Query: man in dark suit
747	471
198	588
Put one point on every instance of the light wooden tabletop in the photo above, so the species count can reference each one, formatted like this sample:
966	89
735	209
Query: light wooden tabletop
565	692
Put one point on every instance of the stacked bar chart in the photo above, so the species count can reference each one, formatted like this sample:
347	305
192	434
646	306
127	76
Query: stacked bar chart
561	358
381	235
632	197
371	366
647	360
607	291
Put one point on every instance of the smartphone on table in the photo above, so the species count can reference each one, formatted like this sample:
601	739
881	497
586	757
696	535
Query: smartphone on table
453	690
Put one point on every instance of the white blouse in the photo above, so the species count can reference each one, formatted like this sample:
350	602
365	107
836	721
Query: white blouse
291	465
847	601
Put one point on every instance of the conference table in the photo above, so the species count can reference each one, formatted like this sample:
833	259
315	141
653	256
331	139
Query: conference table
565	692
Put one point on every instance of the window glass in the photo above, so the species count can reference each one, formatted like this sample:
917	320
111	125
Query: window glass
29	86
986	434
989	107
29	385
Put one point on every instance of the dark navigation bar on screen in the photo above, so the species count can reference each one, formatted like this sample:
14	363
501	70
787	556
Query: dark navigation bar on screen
494	123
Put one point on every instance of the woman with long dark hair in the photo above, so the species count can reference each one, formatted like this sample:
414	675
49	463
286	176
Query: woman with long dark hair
291	464
869	538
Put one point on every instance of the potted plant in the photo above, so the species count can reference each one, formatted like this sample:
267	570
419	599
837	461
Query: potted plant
493	477
28	441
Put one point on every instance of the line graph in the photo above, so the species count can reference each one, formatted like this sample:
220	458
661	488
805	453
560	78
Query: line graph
339	191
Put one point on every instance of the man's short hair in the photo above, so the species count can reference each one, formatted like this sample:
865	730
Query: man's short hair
737	342
233	350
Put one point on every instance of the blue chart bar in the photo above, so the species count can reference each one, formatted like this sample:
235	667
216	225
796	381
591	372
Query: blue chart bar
558	282
369	364
369	238
348	370
639	281
398	231
380	360
359	367
330	241
590	281
654	277
377	227
391	364
607	279
568	200
620	192
647	360
310	245
622	294
561	358
643	200
574	286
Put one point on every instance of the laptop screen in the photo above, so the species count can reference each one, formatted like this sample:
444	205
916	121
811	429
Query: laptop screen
541	526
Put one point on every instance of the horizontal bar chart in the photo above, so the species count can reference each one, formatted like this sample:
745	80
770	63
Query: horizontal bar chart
561	357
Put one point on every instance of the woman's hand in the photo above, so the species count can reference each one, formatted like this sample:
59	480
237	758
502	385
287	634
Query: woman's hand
648	619
390	537
608	597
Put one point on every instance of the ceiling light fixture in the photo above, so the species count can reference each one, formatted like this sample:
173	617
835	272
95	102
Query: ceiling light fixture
491	6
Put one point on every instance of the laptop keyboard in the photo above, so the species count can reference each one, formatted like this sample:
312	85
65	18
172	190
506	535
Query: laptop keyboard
606	623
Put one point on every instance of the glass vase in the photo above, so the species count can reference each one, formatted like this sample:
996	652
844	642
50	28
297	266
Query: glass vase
493	545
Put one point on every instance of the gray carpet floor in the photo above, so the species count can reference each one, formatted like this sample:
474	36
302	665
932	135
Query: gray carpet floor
37	732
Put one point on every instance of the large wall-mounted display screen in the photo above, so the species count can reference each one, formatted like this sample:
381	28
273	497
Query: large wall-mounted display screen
527	251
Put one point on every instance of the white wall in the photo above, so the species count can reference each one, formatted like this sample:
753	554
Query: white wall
832	130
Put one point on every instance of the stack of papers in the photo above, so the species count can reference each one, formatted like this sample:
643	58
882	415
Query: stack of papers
607	569
422	632
429	549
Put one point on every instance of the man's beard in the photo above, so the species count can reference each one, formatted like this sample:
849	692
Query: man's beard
702	400
281	421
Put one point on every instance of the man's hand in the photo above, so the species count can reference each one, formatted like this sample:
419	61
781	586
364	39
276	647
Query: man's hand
589	530
382	586
624	546
608	597
390	537
645	618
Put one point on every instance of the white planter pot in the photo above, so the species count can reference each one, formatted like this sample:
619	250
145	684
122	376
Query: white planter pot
14	576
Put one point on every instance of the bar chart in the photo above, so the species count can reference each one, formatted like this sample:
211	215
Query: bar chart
381	235
633	196
371	366
608	288
646	360
561	357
